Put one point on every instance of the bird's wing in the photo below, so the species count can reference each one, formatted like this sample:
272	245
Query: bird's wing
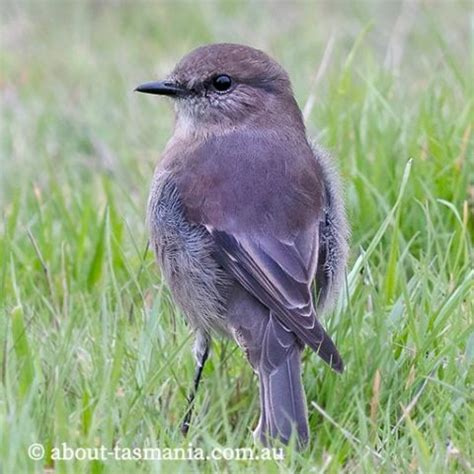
279	275
262	202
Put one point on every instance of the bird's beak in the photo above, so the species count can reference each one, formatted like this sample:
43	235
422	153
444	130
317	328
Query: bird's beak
162	88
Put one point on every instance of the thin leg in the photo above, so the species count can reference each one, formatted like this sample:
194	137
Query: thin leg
201	353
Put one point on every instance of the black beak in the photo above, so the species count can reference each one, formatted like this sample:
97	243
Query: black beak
162	88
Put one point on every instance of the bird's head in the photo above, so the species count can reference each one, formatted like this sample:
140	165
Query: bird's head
227	85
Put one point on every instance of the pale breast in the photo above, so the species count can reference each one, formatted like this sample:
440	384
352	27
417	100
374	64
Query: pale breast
184	252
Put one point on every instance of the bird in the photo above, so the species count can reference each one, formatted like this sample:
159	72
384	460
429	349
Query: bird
246	219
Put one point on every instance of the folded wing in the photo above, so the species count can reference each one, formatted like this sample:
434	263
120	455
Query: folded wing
279	275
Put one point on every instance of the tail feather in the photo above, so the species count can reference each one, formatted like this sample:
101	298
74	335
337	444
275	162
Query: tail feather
282	402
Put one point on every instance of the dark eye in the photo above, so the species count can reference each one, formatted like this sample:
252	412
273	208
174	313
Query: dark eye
222	83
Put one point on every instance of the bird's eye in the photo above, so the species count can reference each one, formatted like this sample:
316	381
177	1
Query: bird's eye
222	83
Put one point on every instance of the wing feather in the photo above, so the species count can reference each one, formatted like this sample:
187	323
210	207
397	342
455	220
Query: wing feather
275	278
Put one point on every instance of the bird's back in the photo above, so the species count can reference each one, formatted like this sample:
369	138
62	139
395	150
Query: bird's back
259	180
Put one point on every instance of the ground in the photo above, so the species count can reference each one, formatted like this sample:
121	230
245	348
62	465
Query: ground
93	352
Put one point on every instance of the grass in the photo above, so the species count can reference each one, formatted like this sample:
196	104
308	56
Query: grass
92	351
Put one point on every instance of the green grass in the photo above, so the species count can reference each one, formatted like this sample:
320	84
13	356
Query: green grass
92	351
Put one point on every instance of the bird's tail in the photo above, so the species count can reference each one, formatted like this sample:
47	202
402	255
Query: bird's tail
282	402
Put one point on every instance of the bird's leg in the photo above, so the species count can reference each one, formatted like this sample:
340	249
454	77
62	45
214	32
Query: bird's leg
201	353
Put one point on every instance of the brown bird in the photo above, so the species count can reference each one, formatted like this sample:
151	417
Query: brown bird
244	216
